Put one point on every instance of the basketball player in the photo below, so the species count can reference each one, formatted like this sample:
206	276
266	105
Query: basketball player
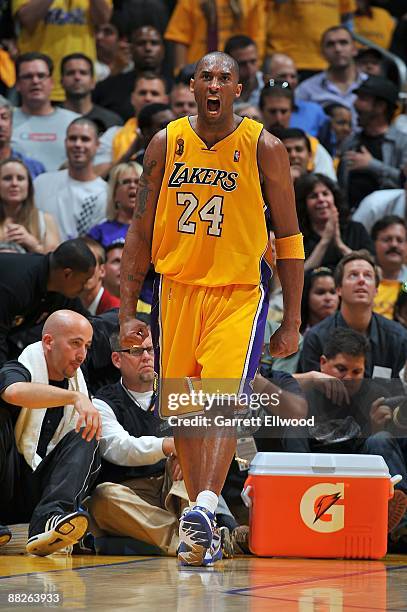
200	217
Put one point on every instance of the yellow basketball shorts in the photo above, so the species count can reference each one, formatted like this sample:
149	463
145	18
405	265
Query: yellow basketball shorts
206	338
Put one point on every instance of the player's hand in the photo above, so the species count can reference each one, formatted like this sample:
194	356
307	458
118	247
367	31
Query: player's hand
380	414
284	341
170	451
89	418
132	333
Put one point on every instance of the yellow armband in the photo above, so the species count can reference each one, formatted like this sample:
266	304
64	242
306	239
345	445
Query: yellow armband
290	247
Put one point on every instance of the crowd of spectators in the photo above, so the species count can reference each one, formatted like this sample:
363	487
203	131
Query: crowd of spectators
84	87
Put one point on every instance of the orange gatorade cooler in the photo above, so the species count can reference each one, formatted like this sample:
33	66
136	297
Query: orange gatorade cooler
318	505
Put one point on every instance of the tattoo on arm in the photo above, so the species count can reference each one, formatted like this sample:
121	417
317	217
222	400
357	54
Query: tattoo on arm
144	190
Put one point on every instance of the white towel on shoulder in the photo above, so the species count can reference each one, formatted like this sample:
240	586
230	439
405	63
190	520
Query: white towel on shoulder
28	427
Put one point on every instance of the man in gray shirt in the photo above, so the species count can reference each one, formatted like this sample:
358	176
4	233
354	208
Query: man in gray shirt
75	196
38	127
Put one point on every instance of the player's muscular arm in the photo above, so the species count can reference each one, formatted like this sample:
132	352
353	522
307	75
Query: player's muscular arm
279	195
136	256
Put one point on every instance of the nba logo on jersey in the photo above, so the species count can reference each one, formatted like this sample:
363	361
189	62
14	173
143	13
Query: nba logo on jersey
236	156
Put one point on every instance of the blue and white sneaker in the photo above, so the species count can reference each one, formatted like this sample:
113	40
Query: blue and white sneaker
196	530
60	532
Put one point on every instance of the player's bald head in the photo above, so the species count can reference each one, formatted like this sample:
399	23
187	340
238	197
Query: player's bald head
63	321
220	60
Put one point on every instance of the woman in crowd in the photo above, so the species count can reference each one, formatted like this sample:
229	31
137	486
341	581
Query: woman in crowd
123	184
324	221
20	221
319	297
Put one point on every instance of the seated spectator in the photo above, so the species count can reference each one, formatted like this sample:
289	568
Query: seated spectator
373	23
123	182
115	92
94	297
148	88
141	494
296	28
243	49
350	413
336	130
20	220
77	79
319	297
6	120
370	61
55	29
113	39
37	122
324	222
76	196
357	279
374	157
111	280
306	115
197	28
49	436
182	101
379	204
390	239
33	287
298	147
276	105
114	254
338	82
113	52
120	145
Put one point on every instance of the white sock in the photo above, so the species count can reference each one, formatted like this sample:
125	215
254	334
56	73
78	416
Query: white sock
192	504
208	500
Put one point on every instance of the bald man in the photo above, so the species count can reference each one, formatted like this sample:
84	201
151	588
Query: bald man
49	436
308	116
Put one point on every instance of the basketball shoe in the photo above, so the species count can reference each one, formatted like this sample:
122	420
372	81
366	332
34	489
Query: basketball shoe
196	530
61	530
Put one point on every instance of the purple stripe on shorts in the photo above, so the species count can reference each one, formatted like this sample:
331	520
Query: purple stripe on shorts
256	348
155	333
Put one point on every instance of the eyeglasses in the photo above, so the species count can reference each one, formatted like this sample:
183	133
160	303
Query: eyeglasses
278	83
30	76
128	181
137	351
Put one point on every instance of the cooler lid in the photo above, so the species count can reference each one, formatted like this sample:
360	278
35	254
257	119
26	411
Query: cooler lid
311	464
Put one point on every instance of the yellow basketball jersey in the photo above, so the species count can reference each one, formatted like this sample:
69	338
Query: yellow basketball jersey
210	224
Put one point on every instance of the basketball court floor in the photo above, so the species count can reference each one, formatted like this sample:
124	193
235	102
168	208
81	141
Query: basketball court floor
242	584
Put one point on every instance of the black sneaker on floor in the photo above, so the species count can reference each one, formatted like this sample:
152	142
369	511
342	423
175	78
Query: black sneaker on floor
5	535
61	530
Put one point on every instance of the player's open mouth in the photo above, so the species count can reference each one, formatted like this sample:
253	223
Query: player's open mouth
213	105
